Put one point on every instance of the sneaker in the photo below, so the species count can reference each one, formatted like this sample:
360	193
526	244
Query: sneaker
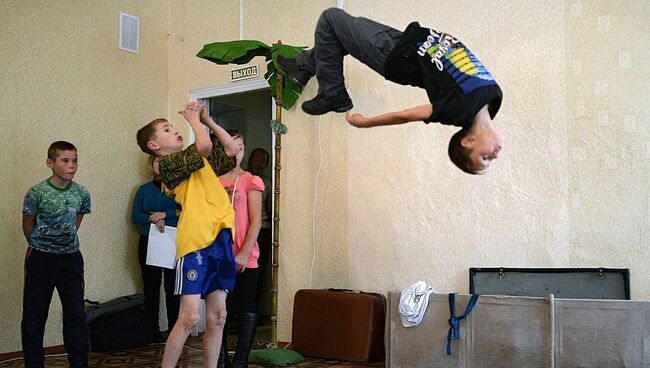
320	104
292	70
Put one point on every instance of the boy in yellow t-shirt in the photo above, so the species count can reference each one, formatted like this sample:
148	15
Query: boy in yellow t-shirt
205	265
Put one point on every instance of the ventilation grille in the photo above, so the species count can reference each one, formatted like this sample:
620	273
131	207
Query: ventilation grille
129	32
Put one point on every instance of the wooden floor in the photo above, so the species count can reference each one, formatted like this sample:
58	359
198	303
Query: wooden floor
151	356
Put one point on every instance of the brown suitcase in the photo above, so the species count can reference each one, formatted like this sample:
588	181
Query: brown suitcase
339	324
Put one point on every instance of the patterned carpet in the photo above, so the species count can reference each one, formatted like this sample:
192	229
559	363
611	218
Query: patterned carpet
151	356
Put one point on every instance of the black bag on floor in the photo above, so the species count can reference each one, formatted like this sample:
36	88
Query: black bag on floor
117	324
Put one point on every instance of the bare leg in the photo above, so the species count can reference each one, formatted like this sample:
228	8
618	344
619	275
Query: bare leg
215	319
188	318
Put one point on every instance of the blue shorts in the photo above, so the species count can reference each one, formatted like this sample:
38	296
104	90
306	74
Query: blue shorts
208	269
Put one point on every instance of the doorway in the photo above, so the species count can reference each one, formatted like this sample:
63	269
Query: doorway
247	107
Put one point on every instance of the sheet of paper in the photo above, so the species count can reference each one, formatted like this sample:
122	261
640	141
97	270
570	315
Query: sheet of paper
161	250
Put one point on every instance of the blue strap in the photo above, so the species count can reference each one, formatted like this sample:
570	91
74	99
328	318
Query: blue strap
453	320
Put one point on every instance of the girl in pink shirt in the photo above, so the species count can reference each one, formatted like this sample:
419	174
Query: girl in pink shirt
245	192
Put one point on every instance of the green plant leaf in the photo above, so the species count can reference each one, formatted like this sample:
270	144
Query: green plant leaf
287	51
234	52
290	91
243	51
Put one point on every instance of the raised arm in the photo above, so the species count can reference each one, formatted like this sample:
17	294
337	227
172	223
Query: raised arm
201	138
224	138
417	113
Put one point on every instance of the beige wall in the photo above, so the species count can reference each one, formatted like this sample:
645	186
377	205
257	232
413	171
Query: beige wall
434	222
412	216
65	78
608	114
570	188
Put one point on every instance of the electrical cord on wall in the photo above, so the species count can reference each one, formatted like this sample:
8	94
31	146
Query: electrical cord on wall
313	213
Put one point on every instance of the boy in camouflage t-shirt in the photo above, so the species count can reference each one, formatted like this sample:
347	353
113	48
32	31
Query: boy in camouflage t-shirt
52	213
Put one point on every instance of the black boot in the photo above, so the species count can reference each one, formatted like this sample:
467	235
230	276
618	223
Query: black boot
245	337
153	331
291	69
320	104
224	359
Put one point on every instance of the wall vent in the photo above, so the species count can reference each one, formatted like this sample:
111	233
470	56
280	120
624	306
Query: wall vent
129	33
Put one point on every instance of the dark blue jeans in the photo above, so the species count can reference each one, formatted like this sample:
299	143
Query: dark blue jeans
43	273
338	34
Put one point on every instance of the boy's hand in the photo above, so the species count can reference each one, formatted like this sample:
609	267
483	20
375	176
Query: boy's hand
203	113
191	110
192	113
417	113
195	106
357	120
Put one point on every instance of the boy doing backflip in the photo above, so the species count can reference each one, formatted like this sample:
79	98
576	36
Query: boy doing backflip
52	213
205	265
461	91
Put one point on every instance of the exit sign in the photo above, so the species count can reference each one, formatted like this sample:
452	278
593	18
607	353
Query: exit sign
244	72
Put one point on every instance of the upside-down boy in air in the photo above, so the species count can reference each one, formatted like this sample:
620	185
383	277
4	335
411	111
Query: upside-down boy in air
461	91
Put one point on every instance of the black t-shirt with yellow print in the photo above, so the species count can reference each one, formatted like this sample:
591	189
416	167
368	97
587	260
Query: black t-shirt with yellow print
456	82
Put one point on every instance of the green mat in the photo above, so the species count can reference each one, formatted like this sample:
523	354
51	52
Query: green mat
275	357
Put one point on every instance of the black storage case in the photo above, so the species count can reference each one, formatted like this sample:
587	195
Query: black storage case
118	324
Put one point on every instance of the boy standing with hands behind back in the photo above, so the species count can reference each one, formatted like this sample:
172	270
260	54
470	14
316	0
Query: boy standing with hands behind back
52	213
205	265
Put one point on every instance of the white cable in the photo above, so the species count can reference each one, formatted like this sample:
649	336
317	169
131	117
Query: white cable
552	332
21	358
313	214
191	348
241	19
63	354
10	360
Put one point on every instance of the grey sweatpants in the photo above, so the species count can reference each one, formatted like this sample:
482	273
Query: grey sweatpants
338	34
